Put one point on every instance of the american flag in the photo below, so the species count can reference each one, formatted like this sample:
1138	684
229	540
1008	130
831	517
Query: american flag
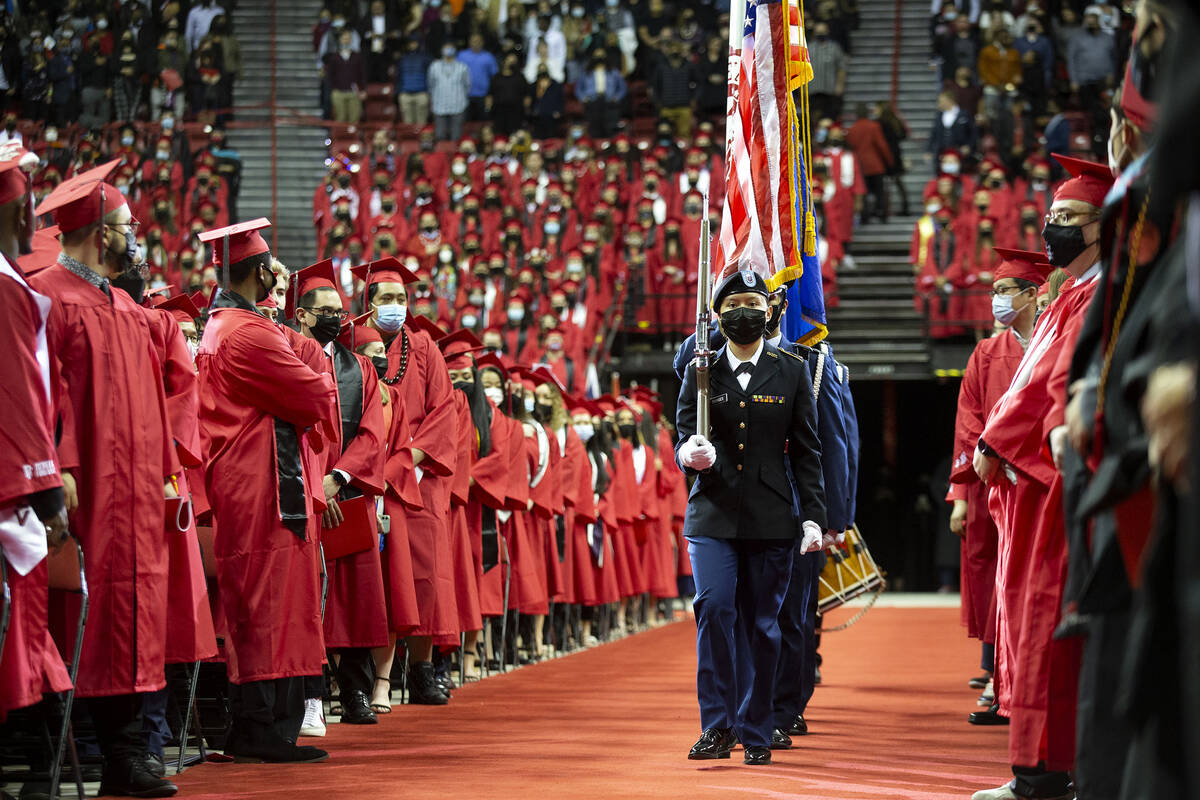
763	224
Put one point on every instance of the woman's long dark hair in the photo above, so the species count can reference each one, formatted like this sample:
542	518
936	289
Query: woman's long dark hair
481	413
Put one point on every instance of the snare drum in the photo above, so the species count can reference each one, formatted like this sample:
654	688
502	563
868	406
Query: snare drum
849	572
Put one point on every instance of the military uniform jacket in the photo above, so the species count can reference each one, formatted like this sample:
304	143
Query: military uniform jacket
758	433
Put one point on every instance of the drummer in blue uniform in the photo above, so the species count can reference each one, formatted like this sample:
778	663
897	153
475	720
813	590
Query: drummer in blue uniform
743	515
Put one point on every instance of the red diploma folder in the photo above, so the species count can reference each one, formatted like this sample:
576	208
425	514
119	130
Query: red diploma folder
357	532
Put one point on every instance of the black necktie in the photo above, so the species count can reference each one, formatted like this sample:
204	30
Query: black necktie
744	368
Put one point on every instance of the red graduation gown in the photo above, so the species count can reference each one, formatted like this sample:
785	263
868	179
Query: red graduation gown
584	511
1037	675
987	376
630	574
529	545
401	493
190	632
425	393
31	664
492	482
249	376
355	603
608	588
463	552
116	441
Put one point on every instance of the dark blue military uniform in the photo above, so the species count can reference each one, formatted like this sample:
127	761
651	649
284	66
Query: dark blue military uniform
743	518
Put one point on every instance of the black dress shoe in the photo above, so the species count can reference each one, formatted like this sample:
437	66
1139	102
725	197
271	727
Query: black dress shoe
799	727
423	688
356	709
131	778
154	763
713	743
980	681
757	756
990	717
780	740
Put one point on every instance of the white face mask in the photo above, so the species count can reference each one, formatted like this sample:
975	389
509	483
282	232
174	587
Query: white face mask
585	431
1002	309
495	394
193	348
529	405
516	314
468	321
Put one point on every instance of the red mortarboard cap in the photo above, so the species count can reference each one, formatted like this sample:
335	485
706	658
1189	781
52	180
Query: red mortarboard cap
384	270
606	404
76	203
355	332
1023	265
457	346
46	248
541	373
492	361
16	163
240	241
417	322
1089	181
317	276
181	307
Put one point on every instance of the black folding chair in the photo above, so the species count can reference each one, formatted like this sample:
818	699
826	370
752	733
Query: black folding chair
65	576
193	682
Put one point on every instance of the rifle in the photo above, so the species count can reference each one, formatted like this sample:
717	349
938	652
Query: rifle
703	315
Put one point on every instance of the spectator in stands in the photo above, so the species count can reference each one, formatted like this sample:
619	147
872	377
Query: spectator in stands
1037	66
967	93
654	26
953	128
230	51
170	59
347	76
713	72
538	59
1108	15
412	91
95	86
601	89
673	85
546	106
995	19
829	74
895	130
870	147
126	84
442	29
60	71
961	49
199	20
380	32
999	70
205	80
1091	60
449	86
482	67
35	87
1064	29
509	97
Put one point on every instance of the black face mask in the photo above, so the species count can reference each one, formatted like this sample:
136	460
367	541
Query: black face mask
1064	243
542	412
381	366
464	386
744	325
775	315
266	288
326	329
627	430
132	282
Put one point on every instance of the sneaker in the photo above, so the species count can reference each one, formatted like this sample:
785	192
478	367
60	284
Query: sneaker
314	718
979	681
133	779
989	695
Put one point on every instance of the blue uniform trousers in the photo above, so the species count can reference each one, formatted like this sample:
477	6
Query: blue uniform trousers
796	673
740	586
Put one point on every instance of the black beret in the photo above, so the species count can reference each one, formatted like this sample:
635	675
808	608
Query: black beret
744	280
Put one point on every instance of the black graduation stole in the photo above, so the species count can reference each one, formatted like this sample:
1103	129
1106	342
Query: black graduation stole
491	539
350	392
289	472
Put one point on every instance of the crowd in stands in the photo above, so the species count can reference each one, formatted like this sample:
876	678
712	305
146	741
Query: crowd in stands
92	64
1018	84
547	170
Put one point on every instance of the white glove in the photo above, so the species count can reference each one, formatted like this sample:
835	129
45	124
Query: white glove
827	540
810	542
840	537
697	453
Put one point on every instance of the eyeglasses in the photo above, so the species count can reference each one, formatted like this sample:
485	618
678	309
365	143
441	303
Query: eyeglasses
1064	217
1005	291
341	314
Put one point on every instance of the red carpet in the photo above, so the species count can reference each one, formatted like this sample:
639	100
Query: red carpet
617	721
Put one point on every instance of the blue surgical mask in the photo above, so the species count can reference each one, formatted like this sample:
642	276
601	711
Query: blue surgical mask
390	317
1002	309
529	403
585	430
551	228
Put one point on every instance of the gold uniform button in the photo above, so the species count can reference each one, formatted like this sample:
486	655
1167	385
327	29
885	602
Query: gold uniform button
742	404
739	467
741	447
741	425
